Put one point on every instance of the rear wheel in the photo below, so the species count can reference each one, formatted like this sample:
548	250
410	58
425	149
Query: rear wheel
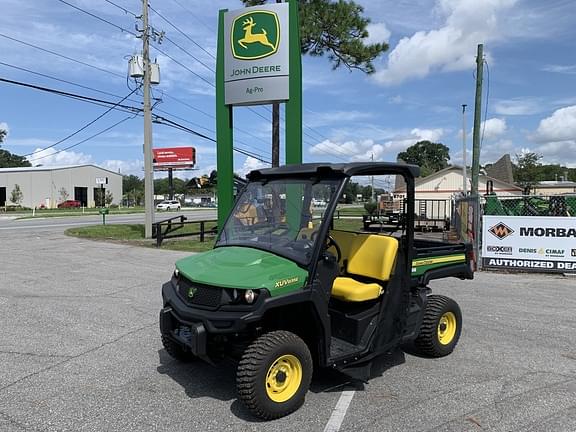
440	328
274	375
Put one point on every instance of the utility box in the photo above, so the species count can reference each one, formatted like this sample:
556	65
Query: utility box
154	73
136	67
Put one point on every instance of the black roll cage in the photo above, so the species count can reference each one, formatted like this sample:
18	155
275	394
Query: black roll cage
345	172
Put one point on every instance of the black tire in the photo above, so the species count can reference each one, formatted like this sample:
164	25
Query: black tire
176	351
436	338
260	360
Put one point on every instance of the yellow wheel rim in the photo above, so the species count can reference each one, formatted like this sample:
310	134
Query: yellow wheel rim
283	378
447	328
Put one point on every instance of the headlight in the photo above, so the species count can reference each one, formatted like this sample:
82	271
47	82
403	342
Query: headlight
249	296
176	272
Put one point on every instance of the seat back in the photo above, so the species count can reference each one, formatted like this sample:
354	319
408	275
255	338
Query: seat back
373	256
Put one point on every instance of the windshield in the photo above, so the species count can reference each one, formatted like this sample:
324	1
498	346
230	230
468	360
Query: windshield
280	216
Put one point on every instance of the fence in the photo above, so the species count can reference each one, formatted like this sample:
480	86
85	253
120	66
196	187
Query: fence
529	233
529	205
166	229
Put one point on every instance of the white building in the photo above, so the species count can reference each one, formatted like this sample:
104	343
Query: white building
49	186
447	183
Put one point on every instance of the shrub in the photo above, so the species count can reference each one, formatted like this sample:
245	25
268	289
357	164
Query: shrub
370	207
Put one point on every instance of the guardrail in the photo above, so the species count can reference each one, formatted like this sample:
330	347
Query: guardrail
165	229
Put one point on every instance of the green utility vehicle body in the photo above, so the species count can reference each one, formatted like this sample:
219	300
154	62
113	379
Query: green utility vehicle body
284	290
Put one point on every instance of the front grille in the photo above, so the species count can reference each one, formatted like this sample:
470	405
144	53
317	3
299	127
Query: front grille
198	294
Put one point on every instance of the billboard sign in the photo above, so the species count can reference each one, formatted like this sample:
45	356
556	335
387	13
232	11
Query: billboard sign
256	55
533	243
174	157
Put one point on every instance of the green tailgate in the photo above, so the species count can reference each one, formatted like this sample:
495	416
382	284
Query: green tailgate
422	265
243	268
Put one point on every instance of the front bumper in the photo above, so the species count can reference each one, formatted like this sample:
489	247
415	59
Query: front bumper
192	336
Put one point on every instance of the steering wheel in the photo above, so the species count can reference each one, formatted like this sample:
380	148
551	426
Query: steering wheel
331	242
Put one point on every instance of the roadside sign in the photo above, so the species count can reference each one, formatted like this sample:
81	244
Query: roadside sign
174	157
529	243
256	55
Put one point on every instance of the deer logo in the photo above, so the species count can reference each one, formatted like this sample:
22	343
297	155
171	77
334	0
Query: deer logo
250	37
255	35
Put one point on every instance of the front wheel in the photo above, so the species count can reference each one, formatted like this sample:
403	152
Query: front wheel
440	328
274	375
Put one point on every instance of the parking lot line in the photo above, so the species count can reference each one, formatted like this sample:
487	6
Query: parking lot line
339	412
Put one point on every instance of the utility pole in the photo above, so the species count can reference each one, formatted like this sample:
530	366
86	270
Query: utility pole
464	155
477	119
148	171
372	182
276	130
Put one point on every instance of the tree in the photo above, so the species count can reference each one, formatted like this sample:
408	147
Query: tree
108	198
338	29
333	28
429	156
9	160
63	194
527	170
16	196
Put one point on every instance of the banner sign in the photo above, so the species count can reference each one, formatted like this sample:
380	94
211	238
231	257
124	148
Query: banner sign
533	243
174	157
256	55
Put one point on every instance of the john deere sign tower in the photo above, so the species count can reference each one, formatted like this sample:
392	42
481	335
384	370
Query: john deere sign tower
258	63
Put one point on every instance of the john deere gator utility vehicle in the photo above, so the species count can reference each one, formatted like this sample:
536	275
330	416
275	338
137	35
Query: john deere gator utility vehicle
284	291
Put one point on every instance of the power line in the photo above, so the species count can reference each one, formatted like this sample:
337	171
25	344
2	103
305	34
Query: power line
99	18
61	55
63	80
105	103
84	140
195	17
122	8
83	127
486	107
166	122
75	96
184	34
181	64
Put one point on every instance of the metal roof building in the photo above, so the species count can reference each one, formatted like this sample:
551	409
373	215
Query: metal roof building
49	186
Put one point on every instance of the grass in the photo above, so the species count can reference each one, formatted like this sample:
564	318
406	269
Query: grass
134	234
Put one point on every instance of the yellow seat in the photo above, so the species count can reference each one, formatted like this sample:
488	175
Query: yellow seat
370	256
348	289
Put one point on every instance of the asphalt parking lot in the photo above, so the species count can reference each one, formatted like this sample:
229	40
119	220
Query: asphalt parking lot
80	351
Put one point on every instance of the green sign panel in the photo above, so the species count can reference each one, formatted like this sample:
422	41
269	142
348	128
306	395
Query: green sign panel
255	35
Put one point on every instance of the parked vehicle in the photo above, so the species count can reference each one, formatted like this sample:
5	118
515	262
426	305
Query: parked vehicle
169	205
70	204
283	292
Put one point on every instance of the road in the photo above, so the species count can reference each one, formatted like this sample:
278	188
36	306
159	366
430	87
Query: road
56	224
80	351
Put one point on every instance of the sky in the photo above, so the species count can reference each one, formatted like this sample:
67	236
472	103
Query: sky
415	94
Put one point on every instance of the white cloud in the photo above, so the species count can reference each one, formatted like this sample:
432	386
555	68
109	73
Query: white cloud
4	126
449	48
492	128
518	106
560	126
563	69
555	137
250	164
135	167
331	117
363	150
377	33
52	157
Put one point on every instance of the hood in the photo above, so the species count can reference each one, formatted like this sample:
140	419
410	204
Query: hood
243	268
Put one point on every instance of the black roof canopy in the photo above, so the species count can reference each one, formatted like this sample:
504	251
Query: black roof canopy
336	170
